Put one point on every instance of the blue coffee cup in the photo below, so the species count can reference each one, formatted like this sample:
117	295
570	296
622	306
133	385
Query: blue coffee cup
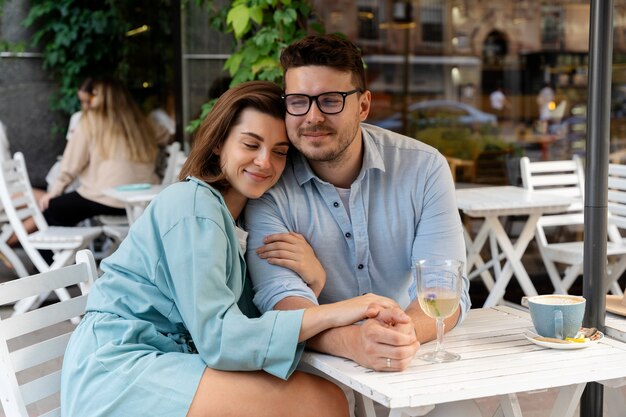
556	315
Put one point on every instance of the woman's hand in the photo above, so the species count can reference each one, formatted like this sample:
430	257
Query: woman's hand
368	306
291	250
343	313
44	201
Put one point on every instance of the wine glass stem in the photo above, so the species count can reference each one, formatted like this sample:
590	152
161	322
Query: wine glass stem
440	330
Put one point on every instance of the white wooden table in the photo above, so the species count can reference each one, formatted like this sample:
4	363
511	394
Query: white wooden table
135	201
491	203
496	360
615	327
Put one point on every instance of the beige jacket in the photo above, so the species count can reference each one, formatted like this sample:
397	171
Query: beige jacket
81	159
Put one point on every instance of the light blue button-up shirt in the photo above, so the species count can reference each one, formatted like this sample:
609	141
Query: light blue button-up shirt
402	209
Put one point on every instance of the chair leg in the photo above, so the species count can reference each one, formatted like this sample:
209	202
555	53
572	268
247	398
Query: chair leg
615	403
571	273
614	273
555	276
10	254
29	303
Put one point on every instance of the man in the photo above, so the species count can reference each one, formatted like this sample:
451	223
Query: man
370	202
499	102
545	102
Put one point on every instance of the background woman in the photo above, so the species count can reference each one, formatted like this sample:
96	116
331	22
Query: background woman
165	326
114	144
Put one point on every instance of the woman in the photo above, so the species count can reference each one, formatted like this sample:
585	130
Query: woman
84	95
114	144
165	324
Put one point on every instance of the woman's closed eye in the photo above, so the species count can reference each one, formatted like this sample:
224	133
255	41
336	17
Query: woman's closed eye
251	145
282	151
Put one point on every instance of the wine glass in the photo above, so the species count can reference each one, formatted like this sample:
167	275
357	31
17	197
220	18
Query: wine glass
438	288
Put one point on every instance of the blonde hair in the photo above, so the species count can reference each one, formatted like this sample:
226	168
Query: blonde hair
115	121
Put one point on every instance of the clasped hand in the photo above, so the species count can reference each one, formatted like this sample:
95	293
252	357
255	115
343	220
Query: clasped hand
389	335
386	339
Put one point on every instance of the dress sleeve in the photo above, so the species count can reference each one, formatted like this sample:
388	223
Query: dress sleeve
439	233
206	281
75	159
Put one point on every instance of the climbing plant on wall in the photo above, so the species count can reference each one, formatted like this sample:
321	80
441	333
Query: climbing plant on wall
81	39
260	29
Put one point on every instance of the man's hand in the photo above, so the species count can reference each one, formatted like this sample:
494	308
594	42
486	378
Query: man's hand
390	335
387	342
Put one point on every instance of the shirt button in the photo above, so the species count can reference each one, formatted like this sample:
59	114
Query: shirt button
360	266
348	235
336	204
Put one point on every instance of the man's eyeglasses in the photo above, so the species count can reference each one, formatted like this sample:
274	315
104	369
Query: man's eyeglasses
332	102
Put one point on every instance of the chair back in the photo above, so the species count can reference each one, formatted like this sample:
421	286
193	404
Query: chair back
617	197
32	344
19	204
564	178
20	201
175	160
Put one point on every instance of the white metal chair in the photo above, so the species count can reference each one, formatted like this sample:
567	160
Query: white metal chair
19	203
6	231
566	178
175	160
32	344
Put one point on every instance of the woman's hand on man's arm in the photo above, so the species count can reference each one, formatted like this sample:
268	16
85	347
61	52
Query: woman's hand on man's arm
291	250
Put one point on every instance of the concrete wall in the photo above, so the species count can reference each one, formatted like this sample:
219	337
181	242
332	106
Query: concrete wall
25	93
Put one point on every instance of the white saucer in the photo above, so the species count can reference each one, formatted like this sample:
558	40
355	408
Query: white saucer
562	346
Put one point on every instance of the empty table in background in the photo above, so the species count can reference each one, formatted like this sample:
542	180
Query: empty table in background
135	199
491	203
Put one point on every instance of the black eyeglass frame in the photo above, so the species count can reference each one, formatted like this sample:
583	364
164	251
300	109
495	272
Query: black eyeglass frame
343	94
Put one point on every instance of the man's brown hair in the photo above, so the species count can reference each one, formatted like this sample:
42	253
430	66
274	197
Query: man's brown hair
326	51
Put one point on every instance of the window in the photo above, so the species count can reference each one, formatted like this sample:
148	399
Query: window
431	20
368	23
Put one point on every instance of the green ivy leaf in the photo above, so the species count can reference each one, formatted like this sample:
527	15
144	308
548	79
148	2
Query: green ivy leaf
238	18
256	14
233	63
264	64
262	28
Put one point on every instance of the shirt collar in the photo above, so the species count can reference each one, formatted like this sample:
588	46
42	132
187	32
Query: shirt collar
372	159
213	191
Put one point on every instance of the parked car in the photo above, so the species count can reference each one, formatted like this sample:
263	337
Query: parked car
431	113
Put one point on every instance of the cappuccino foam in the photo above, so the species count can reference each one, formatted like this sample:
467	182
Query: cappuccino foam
556	300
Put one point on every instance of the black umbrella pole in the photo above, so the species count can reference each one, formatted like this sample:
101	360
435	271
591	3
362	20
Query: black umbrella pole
596	187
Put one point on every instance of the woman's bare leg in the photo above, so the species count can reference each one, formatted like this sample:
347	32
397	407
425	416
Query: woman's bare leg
233	394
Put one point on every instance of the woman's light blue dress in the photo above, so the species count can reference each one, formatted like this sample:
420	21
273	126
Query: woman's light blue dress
167	307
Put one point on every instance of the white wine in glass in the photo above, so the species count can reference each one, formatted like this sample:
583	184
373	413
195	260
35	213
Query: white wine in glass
438	287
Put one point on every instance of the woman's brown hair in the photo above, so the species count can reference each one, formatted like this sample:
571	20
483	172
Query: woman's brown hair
203	162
